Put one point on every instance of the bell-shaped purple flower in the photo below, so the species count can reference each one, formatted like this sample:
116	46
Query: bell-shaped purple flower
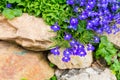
67	36
90	47
55	51
9	5
96	39
73	21
66	59
70	2
55	27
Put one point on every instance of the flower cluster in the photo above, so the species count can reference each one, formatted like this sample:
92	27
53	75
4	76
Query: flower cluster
101	15
75	49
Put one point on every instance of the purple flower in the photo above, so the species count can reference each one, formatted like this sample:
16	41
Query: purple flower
67	52
109	31
82	3
116	30
89	7
89	25
90	47
80	46
70	2
72	43
92	3
66	59
67	36
100	31
95	22
72	27
106	11
90	13
73	21
96	39
55	27
114	26
9	5
76	9
55	51
81	53
115	7
100	13
82	16
74	51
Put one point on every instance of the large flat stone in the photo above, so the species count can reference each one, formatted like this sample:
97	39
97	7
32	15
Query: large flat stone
75	62
28	31
17	63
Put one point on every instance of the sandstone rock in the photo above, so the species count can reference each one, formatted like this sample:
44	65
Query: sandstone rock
28	31
114	38
85	74
75	62
17	63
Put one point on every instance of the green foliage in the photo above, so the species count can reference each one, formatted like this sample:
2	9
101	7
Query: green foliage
2	5
51	65
11	13
107	51
81	34
55	11
53	78
13	1
50	10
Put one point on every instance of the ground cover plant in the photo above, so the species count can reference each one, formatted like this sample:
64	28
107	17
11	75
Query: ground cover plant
77	23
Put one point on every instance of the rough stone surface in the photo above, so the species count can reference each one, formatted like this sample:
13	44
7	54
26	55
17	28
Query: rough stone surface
28	31
85	74
75	62
17	63
114	38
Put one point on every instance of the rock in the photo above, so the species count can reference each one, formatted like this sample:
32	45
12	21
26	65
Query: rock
75	62
17	63
114	38
85	74
28	31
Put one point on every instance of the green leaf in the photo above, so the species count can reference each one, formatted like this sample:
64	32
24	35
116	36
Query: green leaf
53	78
108	59
119	54
11	13
116	65
86	36
112	51
17	12
80	29
13	1
8	13
104	39
51	65
18	1
101	52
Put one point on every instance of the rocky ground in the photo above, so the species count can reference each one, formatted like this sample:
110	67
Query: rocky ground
22	41
89	73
